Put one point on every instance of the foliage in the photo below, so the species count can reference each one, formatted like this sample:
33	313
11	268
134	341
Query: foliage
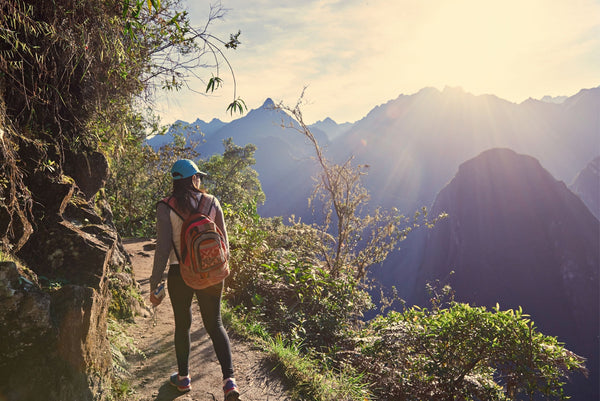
278	279
453	351
60	63
123	297
76	74
107	51
121	345
464	352
306	303
140	178
231	177
312	382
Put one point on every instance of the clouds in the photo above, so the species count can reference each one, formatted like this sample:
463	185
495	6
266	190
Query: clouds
358	54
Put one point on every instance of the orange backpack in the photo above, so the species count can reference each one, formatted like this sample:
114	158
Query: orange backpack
204	260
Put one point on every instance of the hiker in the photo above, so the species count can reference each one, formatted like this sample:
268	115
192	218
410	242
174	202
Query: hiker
188	196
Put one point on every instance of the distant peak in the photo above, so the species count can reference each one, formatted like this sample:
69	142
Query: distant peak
428	90
554	99
326	121
453	89
268	104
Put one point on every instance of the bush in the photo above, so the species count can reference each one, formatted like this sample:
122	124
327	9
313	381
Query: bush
277	277
463	352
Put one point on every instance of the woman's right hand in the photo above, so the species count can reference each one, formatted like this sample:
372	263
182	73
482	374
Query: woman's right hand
157	295
154	300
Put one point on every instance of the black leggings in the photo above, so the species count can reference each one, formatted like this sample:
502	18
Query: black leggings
209	300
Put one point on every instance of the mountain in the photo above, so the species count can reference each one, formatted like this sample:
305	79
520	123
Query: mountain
331	128
261	126
517	236
283	155
414	143
554	99
587	186
195	132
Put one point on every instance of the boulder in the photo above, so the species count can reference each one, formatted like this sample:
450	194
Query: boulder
89	170
54	318
24	314
58	338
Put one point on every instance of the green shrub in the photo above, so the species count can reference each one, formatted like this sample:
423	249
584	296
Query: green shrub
277	277
464	352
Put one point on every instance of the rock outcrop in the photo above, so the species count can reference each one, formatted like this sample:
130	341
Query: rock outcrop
60	108
53	312
587	186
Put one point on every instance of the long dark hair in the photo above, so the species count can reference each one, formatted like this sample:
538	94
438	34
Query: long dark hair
183	192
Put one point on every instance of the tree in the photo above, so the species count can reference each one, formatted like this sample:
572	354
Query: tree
141	177
176	50
359	240
231	176
73	76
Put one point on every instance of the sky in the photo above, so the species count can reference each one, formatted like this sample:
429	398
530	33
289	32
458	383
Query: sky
353	55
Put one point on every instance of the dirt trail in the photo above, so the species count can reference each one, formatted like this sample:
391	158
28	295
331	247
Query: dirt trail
256	376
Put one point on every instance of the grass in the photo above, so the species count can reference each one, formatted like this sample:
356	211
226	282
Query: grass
120	345
307	378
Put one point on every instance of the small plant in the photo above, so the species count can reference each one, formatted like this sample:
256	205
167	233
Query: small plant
121	345
122	390
49	165
52	284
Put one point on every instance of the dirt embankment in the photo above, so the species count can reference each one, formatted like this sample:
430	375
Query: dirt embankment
255	375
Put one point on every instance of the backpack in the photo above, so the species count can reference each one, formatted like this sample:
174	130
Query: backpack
204	260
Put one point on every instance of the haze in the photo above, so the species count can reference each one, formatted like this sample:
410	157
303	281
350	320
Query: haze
354	55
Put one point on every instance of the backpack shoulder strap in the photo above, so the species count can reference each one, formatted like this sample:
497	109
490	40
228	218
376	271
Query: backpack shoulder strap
199	204
204	209
209	210
212	211
170	202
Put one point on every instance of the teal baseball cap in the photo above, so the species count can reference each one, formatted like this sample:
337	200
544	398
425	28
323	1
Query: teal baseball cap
184	168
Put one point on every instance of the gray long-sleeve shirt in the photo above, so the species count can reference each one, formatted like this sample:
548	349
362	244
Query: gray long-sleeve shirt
165	238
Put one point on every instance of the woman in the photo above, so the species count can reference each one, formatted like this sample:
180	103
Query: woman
188	195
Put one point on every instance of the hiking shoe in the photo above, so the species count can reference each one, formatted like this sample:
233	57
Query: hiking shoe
231	390
183	383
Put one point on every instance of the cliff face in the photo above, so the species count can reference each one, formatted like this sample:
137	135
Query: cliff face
587	186
53	312
518	237
58	107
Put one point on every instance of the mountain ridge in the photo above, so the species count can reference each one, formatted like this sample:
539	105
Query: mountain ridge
413	143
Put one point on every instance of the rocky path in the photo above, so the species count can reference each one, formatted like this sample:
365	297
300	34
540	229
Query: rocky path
256	376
